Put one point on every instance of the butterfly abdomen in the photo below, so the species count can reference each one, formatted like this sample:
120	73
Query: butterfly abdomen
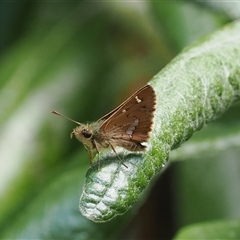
129	145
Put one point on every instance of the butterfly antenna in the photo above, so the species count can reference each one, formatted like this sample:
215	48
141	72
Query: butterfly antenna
59	114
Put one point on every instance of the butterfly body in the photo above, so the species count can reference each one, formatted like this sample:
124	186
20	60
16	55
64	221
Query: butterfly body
127	126
94	139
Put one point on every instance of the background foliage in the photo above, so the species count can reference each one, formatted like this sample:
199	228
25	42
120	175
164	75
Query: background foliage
82	59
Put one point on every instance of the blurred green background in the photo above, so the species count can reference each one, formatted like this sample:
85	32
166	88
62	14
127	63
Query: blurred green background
82	59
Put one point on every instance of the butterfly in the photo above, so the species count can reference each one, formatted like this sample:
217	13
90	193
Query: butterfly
127	126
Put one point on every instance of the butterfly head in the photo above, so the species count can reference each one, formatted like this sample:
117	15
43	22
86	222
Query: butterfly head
84	134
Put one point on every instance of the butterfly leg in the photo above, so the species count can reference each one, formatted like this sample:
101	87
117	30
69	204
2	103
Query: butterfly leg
118	156
90	154
95	145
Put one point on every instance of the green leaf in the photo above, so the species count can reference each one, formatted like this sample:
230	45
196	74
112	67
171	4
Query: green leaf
198	86
176	17
230	9
52	213
211	230
32	81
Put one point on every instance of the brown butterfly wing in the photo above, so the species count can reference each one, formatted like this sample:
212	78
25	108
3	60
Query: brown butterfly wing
132	120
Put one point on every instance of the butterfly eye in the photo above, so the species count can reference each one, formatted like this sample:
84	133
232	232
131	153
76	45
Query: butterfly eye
86	133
